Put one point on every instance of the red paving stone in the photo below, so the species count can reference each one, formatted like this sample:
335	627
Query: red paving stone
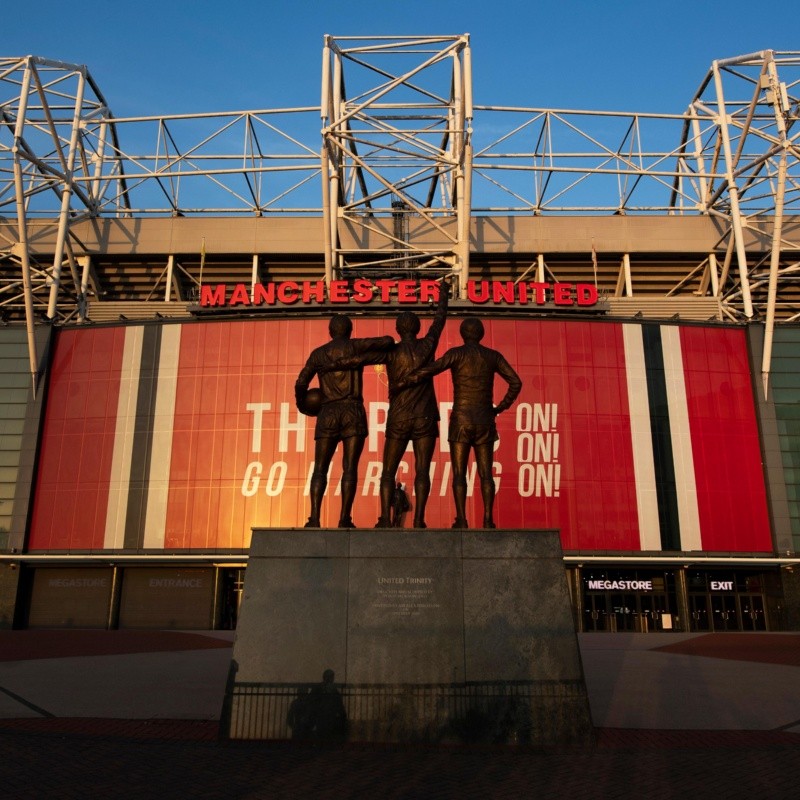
34	644
180	729
208	730
764	648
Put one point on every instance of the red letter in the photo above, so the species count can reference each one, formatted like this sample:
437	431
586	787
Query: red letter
428	290
539	292
474	295
587	294
212	297
338	292
503	291
562	294
362	290
264	294
406	291
239	295
288	292
386	288
314	290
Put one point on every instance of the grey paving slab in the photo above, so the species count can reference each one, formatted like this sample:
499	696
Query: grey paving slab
174	685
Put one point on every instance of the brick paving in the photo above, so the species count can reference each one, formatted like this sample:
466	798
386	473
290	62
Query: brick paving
107	758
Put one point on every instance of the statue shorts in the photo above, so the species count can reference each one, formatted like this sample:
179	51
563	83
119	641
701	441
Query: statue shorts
411	428
341	419
470	433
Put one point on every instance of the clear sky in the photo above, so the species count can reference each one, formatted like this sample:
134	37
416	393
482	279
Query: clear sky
176	56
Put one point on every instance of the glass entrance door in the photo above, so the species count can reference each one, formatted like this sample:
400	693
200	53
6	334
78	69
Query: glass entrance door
698	607
724	616
596	616
652	608
623	608
752	606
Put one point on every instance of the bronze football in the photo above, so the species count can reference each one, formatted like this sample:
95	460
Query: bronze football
312	403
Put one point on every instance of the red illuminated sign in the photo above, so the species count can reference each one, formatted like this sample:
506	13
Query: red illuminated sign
361	291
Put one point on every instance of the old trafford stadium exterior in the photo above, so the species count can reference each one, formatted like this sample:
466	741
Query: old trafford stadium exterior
161	291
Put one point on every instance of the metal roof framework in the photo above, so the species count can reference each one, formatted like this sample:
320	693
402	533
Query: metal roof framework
397	116
404	162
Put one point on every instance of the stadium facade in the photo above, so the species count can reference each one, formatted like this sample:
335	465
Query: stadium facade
161	290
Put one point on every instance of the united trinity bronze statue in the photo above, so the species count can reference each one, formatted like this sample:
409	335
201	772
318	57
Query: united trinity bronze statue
472	422
341	416
413	411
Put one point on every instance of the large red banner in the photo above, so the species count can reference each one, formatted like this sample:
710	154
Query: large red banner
184	437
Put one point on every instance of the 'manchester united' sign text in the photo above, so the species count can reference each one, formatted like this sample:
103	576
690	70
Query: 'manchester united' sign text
401	291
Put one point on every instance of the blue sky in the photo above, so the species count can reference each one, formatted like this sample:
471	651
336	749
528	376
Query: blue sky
175	56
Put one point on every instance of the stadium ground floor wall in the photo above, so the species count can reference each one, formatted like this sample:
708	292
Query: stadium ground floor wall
607	598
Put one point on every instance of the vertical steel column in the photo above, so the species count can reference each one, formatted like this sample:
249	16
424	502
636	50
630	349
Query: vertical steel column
777	231
325	116
334	167
698	155
94	187
466	209
66	196
733	192
86	264
115	596
22	225
712	271
626	270
170	268
254	278
577	596
774	263
682	592
458	155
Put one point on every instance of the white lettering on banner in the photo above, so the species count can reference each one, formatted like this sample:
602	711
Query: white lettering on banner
276	478
176	583
272	478
257	410
538	443
298	426
634	586
372	478
444	423
377	424
252	477
721	586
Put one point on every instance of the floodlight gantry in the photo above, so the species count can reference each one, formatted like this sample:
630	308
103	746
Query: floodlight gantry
396	155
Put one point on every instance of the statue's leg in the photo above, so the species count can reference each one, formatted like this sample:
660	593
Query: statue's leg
483	458
459	456
351	453
323	453
393	450
423	452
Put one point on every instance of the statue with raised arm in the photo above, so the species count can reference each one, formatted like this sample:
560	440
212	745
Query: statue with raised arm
413	411
341	416
472	422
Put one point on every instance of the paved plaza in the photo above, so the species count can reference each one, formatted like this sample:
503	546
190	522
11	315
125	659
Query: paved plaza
135	713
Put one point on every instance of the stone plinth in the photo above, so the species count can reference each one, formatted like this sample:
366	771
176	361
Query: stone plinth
439	636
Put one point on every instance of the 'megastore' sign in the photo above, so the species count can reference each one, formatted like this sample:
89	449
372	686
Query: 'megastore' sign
361	290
